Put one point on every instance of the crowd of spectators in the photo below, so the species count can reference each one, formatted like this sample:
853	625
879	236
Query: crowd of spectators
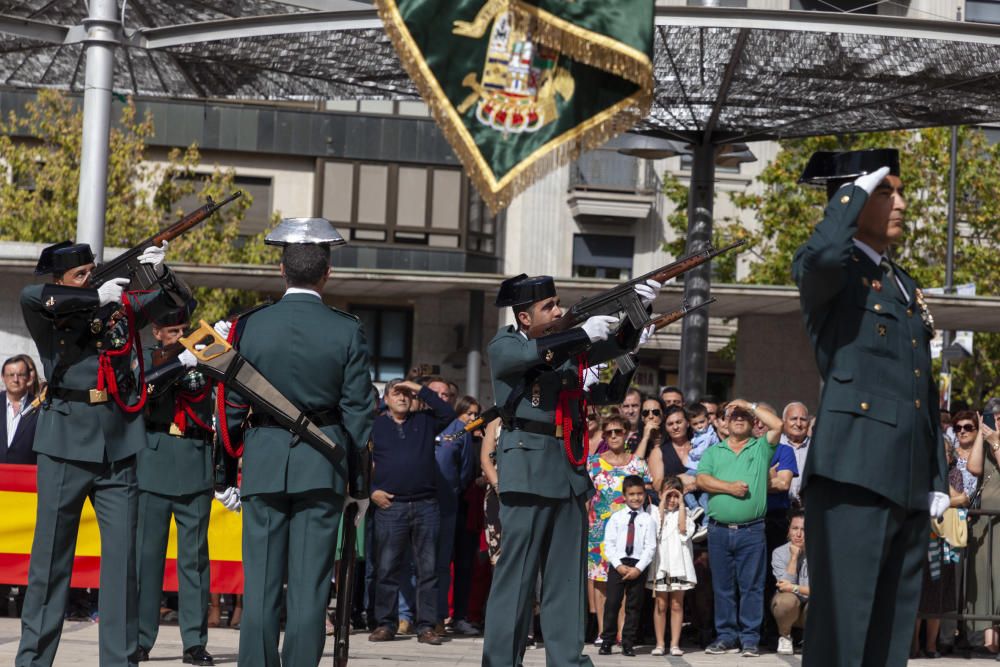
697	533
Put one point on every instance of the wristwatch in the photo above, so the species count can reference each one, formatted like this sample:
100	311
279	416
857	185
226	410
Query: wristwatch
753	406
795	589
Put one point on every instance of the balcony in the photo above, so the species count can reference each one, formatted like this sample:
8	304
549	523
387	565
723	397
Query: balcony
606	185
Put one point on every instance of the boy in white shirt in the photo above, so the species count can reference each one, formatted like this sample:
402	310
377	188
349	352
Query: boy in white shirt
629	544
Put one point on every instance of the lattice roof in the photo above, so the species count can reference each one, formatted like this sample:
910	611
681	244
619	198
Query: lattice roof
774	74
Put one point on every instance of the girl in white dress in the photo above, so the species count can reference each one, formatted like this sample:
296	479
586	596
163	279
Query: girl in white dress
672	571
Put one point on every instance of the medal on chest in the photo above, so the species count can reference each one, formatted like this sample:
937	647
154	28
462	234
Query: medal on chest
536	395
925	313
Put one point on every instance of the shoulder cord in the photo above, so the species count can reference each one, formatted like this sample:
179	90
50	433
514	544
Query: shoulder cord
564	416
220	407
106	378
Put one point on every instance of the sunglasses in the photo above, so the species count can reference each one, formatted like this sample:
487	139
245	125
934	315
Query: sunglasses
615	431
967	428
738	414
656	412
591	417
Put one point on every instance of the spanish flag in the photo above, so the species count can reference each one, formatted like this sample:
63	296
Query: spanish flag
19	500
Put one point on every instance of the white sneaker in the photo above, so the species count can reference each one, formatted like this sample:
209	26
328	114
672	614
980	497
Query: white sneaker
598	641
697	513
676	651
463	627
785	646
657	651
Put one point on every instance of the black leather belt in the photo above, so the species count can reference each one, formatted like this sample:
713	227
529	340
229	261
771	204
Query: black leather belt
323	418
735	526
88	396
529	426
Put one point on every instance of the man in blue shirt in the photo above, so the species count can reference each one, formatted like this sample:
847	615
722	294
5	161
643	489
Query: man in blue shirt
406	514
776	520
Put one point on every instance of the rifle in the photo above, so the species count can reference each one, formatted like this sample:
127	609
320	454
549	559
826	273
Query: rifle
622	298
626	364
143	276
348	558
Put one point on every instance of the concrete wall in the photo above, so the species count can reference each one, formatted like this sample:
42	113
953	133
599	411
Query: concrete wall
774	361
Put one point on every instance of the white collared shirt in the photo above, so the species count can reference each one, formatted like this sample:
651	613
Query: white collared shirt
302	290
616	536
801	453
13	417
877	258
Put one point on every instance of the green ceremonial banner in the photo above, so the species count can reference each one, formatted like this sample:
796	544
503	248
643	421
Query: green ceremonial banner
521	86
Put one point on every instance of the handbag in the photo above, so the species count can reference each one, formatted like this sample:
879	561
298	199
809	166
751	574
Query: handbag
953	527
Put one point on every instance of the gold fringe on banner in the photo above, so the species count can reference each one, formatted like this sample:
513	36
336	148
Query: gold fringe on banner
592	133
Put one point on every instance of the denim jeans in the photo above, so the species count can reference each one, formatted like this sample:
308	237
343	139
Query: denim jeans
698	499
408	581
414	524
738	558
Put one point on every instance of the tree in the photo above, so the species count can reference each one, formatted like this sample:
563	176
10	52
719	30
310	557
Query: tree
786	211
38	200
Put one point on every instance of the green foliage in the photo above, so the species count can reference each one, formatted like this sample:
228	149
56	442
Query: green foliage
38	203
785	213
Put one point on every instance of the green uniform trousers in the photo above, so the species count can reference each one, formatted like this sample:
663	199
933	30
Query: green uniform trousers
289	536
866	558
549	536
62	488
191	513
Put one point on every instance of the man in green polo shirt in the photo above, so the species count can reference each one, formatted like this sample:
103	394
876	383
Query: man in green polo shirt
737	474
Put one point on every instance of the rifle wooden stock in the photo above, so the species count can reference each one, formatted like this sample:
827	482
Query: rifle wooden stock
127	264
623	298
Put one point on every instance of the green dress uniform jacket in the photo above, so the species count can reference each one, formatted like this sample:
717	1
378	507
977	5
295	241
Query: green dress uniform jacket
542	501
876	451
175	480
84	450
292	492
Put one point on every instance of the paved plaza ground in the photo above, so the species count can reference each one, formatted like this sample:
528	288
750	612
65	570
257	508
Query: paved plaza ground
79	647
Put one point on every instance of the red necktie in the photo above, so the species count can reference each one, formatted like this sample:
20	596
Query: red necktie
630	537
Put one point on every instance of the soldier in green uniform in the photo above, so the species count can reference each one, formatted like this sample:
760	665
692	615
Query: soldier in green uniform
543	481
89	432
175	479
293	493
876	465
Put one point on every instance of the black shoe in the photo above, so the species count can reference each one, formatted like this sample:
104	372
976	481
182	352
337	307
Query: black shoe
140	655
719	647
605	649
197	655
628	651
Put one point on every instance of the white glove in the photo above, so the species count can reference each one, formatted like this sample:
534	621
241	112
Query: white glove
230	498
187	359
646	334
362	508
869	182
154	255
648	291
939	502
222	328
598	327
592	375
111	291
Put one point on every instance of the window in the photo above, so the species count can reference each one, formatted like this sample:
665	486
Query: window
852	6
409	205
602	256
390	334
687	162
983	11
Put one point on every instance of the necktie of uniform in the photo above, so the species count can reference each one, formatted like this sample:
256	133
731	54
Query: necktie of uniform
890	278
630	536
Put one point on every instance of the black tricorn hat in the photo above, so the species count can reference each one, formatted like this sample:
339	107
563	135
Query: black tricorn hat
834	168
178	316
63	256
524	291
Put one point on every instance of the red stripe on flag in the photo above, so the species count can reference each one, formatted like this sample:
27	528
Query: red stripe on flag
20	478
226	575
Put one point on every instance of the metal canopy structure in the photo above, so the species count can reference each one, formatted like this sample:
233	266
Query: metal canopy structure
722	76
